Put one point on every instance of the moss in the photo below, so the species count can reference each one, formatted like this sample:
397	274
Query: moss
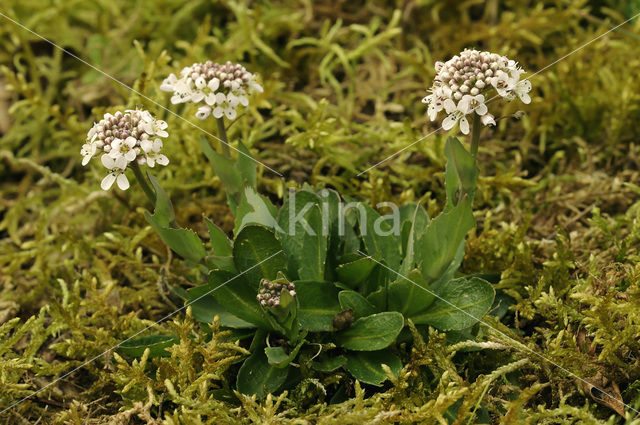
80	270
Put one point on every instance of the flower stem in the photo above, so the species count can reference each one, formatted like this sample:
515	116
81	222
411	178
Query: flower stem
222	134
142	181
475	135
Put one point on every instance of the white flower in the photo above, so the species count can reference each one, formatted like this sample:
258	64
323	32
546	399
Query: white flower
152	152
522	89
238	95
503	83
88	151
226	106
168	83
469	103
154	127
487	119
455	115
181	92
210	98
116	168
124	149
203	112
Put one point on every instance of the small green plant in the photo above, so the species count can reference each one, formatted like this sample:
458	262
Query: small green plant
325	282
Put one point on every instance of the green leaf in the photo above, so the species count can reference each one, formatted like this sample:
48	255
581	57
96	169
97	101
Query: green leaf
419	222
359	304
163	209
236	294
184	242
461	172
254	209
380	240
155	343
330	364
219	241
224	168
367	366
257	376
279	358
410	296
372	332
205	308
437	247
464	301
300	230
355	272
318	303
246	165
258	253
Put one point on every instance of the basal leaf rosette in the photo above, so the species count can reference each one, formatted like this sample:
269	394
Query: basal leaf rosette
122	139
466	82
219	89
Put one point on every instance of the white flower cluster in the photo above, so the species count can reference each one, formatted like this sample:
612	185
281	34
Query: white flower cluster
460	85
124	138
221	87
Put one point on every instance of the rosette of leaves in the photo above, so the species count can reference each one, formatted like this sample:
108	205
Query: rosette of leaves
358	280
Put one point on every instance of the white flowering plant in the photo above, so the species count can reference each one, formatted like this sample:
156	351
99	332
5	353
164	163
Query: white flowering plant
463	86
311	285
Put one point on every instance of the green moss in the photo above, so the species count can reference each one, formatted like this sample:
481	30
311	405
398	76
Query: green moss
80	270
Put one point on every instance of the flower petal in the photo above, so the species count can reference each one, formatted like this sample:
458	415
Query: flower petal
449	122
123	182
218	112
107	161
107	182
464	125
162	160
214	84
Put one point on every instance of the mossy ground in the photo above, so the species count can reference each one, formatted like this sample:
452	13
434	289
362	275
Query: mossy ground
557	210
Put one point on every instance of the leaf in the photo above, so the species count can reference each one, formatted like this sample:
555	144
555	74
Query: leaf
184	242
299	217
238	296
224	168
359	304
419	222
163	209
372	332
410	296
246	165
381	242
318	303
205	308
330	364
257	376
437	247
367	366
254	209
219	241
355	272
258	253
461	303
277	357
461	172
155	343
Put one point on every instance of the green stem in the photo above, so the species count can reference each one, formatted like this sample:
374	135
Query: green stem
222	134
475	135
142	181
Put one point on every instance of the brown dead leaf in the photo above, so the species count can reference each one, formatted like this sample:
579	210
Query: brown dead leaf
604	392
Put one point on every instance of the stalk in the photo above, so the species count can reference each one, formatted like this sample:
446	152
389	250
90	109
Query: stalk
222	134
475	135
142	181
